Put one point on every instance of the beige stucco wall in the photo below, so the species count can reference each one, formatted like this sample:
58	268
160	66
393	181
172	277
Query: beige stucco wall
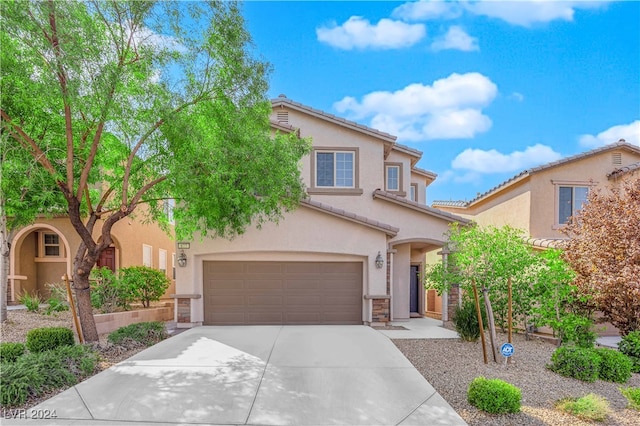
587	171
128	234
303	235
514	211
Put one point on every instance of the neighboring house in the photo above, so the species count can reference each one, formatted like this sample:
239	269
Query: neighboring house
540	200
43	252
351	253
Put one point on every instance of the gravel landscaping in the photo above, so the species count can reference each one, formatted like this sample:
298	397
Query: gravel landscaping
449	365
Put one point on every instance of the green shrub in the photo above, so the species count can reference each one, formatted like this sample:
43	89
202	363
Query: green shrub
579	363
578	330
589	407
107	292
614	366
11	351
465	321
56	305
47	338
630	346
145	333
37	373
494	396
19	380
144	284
633	396
31	302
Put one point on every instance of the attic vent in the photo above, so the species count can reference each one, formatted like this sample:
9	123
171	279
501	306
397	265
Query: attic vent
283	116
616	158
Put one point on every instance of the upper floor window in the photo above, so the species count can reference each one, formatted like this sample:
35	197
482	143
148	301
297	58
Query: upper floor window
413	192
51	245
335	169
169	206
393	178
570	200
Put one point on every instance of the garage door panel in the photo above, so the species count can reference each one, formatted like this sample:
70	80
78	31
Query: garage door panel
263	268
282	293
253	284
266	301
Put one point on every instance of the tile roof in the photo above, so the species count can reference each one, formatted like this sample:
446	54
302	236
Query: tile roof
378	193
546	242
283	100
525	173
316	205
624	170
450	203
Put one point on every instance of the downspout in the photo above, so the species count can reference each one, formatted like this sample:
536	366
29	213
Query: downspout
390	253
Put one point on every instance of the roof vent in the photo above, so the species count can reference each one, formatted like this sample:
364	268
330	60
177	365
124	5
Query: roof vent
616	158
283	116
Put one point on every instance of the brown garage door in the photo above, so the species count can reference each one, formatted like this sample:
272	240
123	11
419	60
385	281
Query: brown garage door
282	293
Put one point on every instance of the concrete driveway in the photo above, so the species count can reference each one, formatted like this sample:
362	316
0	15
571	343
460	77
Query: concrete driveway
258	375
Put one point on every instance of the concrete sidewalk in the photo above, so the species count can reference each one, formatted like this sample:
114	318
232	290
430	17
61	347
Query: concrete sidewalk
420	328
257	375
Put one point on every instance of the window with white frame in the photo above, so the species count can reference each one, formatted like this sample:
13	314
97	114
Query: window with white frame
413	192
335	169
50	245
168	206
147	255
162	260
570	200
393	178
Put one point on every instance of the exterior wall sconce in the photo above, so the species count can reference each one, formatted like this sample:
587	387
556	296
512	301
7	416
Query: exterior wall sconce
379	261
182	259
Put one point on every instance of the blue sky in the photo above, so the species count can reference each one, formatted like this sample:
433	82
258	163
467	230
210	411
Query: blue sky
485	89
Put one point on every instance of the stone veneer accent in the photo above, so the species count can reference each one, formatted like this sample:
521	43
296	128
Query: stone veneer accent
453	299
381	312
183	307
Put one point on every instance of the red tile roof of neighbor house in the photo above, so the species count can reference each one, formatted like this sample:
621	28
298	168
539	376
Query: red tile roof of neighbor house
621	144
325	208
378	193
546	242
624	170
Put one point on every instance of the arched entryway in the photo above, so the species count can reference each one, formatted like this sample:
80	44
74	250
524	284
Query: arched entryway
40	255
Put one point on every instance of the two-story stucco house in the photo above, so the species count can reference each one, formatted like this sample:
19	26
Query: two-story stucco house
351	253
540	200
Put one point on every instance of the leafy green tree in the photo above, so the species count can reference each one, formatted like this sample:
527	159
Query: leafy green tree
127	104
557	301
489	257
604	250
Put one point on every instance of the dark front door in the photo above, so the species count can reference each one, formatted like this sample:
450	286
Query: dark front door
108	259
414	289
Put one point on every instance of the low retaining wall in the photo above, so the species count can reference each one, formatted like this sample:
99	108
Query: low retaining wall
106	323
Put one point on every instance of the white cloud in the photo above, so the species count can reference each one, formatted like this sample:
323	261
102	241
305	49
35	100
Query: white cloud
528	12
457	39
359	33
449	108
492	161
629	132
425	10
516	12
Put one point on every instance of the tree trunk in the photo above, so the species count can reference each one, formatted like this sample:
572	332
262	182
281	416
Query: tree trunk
85	311
491	324
5	247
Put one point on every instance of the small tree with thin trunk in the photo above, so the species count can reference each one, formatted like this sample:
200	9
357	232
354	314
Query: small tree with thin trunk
127	104
604	251
489	256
